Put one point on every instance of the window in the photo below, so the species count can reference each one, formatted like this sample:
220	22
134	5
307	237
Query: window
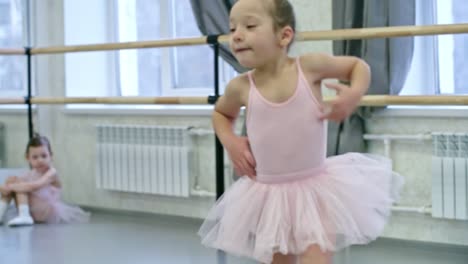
12	68
163	71
177	71
455	48
439	65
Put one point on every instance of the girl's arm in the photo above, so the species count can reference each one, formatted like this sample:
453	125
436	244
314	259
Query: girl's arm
226	111
30	186
344	68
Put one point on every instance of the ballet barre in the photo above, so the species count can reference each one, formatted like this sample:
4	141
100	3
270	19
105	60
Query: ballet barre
12	51
109	100
337	34
368	100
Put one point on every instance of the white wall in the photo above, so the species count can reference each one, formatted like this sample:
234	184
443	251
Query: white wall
73	138
16	132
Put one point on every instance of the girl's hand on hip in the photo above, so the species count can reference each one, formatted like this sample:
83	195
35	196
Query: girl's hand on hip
241	156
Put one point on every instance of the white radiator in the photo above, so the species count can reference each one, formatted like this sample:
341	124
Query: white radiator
144	159
449	176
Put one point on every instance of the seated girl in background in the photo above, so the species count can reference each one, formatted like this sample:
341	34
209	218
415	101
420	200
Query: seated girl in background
38	192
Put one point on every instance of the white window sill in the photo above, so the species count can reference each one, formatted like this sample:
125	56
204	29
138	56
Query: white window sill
423	111
207	110
163	110
15	109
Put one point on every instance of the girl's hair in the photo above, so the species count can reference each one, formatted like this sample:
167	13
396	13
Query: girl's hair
282	13
38	141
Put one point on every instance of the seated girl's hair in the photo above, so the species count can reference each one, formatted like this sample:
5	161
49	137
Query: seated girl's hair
36	141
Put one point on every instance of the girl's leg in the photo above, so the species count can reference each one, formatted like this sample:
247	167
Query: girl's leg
314	255
5	197
4	203
24	216
284	259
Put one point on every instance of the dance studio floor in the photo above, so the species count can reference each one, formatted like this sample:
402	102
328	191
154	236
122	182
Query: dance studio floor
119	238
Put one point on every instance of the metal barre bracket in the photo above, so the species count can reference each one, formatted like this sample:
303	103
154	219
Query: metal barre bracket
212	99
27	51
212	39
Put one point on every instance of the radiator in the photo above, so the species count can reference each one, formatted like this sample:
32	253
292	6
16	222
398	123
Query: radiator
144	159
449	176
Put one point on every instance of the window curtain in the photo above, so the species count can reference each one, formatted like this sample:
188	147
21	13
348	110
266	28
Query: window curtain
212	18
389	59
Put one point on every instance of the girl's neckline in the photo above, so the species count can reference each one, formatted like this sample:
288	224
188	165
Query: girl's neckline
289	99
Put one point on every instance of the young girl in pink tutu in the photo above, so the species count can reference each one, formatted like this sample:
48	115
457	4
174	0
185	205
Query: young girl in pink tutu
294	203
38	193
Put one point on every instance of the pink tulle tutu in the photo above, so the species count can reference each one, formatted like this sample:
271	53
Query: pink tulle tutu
46	206
346	201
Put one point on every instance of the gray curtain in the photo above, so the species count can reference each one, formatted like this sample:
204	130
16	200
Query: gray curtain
389	59
212	18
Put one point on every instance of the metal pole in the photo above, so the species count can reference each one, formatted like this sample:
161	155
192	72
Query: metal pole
28	97
219	150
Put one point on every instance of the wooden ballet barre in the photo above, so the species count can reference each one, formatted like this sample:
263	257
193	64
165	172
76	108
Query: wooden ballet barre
12	51
384	100
369	100
383	32
339	34
121	45
108	100
12	100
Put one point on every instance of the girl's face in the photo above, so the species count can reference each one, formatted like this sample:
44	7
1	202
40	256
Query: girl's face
253	40
39	158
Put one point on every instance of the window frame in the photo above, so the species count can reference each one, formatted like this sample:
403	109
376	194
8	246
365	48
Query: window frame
432	53
168	60
425	57
25	38
445	54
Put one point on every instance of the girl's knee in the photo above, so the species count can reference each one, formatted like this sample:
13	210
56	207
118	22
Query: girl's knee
11	179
